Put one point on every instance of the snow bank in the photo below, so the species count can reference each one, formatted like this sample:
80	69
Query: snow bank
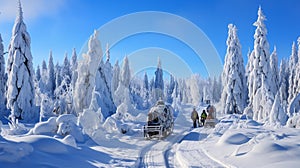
48	127
233	139
63	125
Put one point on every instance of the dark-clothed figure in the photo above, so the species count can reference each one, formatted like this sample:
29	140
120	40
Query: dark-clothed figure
203	117
195	117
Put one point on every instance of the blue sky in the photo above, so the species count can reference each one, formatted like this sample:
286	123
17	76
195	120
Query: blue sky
60	25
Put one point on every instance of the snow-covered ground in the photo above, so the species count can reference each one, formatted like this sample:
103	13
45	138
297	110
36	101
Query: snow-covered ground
234	142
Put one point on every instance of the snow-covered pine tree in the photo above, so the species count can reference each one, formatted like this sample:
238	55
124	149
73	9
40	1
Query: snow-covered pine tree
20	86
145	92
51	76
103	92
292	72
2	80
296	81
116	76
261	70
277	114
233	76
38	73
274	71
87	69
66	70
194	86
122	91
283	83
74	66
58	78
158	92
170	90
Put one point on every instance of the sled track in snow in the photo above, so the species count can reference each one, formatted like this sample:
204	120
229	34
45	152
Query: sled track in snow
156	154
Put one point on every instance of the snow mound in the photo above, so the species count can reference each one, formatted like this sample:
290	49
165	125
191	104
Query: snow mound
63	125
268	147
69	140
252	123
233	139
48	127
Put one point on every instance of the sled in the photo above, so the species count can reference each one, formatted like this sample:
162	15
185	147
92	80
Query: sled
160	121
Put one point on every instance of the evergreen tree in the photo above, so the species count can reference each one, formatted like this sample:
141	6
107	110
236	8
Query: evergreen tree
38	73
275	71
292	72
116	76
283	84
261	71
233	76
20	86
51	76
158	82
74	66
87	70
2	79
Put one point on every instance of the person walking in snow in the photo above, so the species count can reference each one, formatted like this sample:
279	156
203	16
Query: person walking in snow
195	117
203	117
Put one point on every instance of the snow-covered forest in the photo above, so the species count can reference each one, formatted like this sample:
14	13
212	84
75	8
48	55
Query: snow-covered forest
263	89
94	97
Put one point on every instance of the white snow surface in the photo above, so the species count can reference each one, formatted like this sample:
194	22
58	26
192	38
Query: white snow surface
234	142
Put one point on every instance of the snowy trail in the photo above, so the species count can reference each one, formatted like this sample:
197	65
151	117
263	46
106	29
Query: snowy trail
186	156
156	153
177	150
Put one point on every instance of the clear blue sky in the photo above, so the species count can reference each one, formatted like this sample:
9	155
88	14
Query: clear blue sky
60	25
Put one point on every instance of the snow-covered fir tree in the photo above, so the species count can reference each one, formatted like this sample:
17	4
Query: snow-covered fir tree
2	80
74	66
158	83
292	72
38	73
275	71
116	76
122	91
20	86
296	79
233	76
283	83
58	78
87	69
194	84
277	114
102	94
261	71
170	89
145	92
51	76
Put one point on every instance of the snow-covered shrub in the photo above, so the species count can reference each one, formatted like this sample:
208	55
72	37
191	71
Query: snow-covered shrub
294	122
16	128
46	109
90	120
248	112
111	125
67	126
48	127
